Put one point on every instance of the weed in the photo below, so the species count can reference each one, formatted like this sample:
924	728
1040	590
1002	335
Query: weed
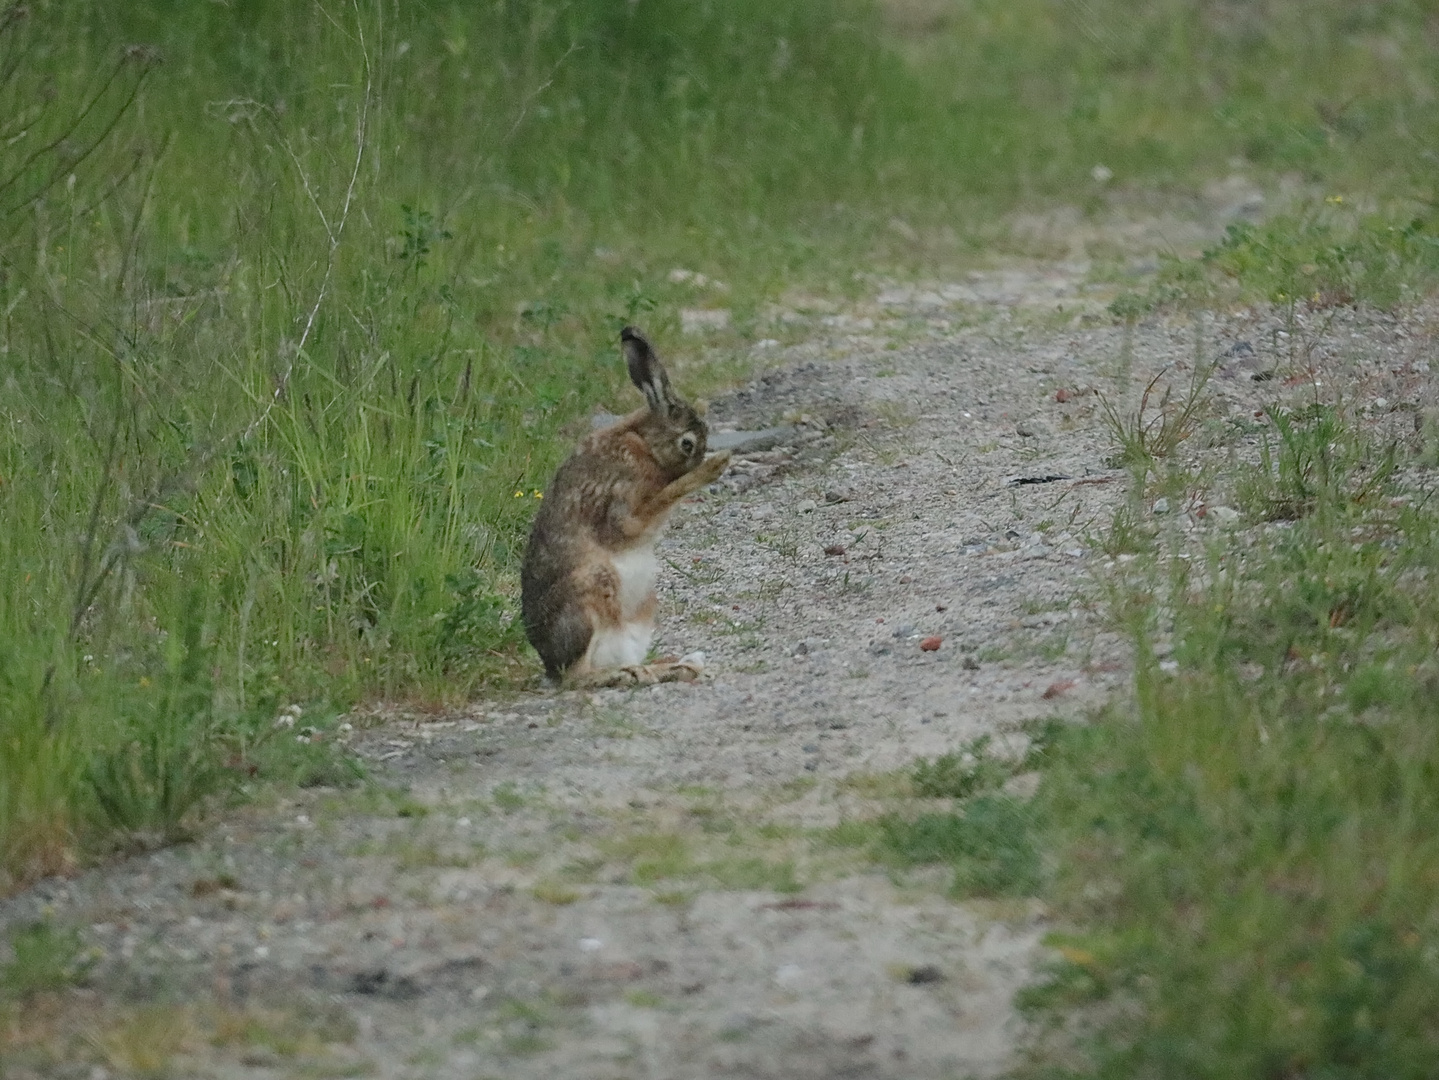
1318	462
508	798
404	806
524	1026
44	958
1154	431
971	770
754	874
164	766
1325	255
991	846
1322	255
302	1030
655	856
145	1041
550	892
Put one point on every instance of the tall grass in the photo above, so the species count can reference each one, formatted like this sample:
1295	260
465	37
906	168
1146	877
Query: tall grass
1247	852
299	301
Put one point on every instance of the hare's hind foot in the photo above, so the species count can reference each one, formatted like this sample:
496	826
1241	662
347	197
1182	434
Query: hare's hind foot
689	669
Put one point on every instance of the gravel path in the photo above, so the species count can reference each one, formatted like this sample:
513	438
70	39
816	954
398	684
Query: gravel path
637	883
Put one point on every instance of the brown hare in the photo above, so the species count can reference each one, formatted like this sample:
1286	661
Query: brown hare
588	582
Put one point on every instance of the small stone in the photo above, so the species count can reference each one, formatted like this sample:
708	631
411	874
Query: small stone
1058	687
925	973
810	748
811	765
703	320
838	495
834	549
1161	505
806	506
1062	395
930	644
941	607
904	631
679	276
1222	515
905	579
969	663
1381	404
1026	429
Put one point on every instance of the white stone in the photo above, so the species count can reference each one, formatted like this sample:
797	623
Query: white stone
704	320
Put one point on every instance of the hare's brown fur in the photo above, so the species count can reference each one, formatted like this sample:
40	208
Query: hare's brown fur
589	571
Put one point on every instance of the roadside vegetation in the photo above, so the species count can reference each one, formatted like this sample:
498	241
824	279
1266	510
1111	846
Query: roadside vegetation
300	305
1245	852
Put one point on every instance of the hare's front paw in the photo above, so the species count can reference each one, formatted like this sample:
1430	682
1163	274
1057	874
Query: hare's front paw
712	467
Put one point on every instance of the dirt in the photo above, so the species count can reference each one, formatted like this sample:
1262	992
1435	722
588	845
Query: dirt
642	883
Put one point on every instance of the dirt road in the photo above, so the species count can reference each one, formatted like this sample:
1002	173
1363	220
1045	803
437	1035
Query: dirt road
642	883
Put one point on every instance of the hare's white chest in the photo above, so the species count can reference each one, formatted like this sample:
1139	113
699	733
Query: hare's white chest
627	644
638	570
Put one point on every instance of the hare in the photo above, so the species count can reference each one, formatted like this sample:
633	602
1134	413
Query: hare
588	581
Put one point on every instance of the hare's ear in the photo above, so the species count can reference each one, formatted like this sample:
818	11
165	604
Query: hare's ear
646	371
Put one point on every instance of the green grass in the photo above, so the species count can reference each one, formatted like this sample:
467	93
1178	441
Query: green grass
301	304
970	771
1246	853
42	958
1317	257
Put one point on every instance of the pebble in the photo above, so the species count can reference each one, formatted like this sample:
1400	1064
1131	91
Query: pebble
1222	515
703	320
930	644
806	506
1161	505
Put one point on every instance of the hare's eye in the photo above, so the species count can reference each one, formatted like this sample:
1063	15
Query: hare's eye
687	444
